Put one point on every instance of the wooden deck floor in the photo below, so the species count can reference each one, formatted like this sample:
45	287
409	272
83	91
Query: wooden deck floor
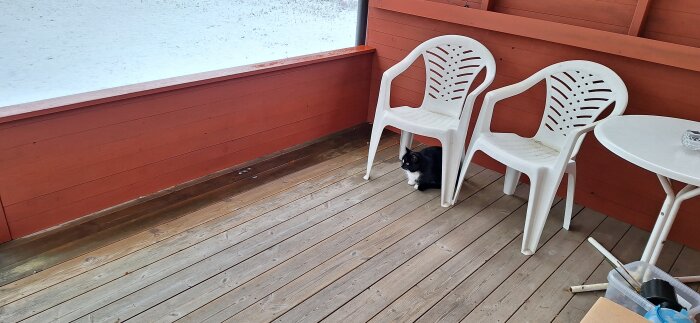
313	241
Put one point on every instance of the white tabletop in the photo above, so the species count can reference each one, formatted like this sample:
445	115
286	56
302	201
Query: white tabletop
653	143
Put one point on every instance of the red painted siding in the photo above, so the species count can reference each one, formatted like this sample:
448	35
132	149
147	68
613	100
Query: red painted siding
605	182
674	21
614	16
61	166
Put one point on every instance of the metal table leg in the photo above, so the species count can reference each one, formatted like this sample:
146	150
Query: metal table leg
687	192
660	220
662	227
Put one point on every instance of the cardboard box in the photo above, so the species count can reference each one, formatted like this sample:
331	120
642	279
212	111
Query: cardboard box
605	310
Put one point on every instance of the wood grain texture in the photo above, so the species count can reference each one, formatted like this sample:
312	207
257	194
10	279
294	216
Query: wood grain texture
208	221
563	19
606	183
61	166
222	224
674	21
470	292
613	16
422	296
546	302
23	257
280	301
512	292
322	243
385	291
196	285
271	281
331	240
687	264
351	284
600	15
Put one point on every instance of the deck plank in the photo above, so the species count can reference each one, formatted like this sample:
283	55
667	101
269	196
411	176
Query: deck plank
629	249
310	258
476	287
422	220
247	294
687	264
506	299
227	270
351	284
305	241
421	297
305	195
348	190
382	293
552	296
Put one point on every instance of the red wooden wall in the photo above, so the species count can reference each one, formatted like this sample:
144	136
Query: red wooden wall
522	46
60	166
675	21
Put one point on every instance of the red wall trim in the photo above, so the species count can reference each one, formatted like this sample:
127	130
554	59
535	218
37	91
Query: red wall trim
65	103
649	50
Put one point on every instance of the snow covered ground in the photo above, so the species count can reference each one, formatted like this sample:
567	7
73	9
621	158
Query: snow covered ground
51	48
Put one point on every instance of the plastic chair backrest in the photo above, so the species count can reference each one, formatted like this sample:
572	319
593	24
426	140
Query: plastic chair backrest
577	93
452	63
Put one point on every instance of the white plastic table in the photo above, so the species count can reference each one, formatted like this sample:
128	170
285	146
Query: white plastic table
654	143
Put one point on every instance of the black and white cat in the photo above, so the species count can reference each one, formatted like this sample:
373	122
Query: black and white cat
423	168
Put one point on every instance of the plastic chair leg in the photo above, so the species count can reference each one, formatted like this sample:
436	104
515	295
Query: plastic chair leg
450	168
542	189
511	181
463	172
570	189
406	141
377	129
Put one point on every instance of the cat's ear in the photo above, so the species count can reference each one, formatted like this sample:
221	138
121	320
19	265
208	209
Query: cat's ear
408	150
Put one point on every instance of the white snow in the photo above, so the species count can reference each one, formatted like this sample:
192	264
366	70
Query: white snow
51	48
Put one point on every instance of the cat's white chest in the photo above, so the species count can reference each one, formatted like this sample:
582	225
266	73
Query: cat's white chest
412	177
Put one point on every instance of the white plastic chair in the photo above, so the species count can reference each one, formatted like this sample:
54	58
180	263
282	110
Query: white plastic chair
577	93
451	64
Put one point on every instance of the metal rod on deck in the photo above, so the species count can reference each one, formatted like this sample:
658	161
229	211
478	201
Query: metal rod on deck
604	286
617	265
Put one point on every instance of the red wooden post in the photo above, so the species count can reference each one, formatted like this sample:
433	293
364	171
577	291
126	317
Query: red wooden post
4	229
639	18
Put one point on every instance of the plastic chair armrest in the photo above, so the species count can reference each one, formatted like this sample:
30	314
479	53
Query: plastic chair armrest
483	124
388	76
568	148
471	98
